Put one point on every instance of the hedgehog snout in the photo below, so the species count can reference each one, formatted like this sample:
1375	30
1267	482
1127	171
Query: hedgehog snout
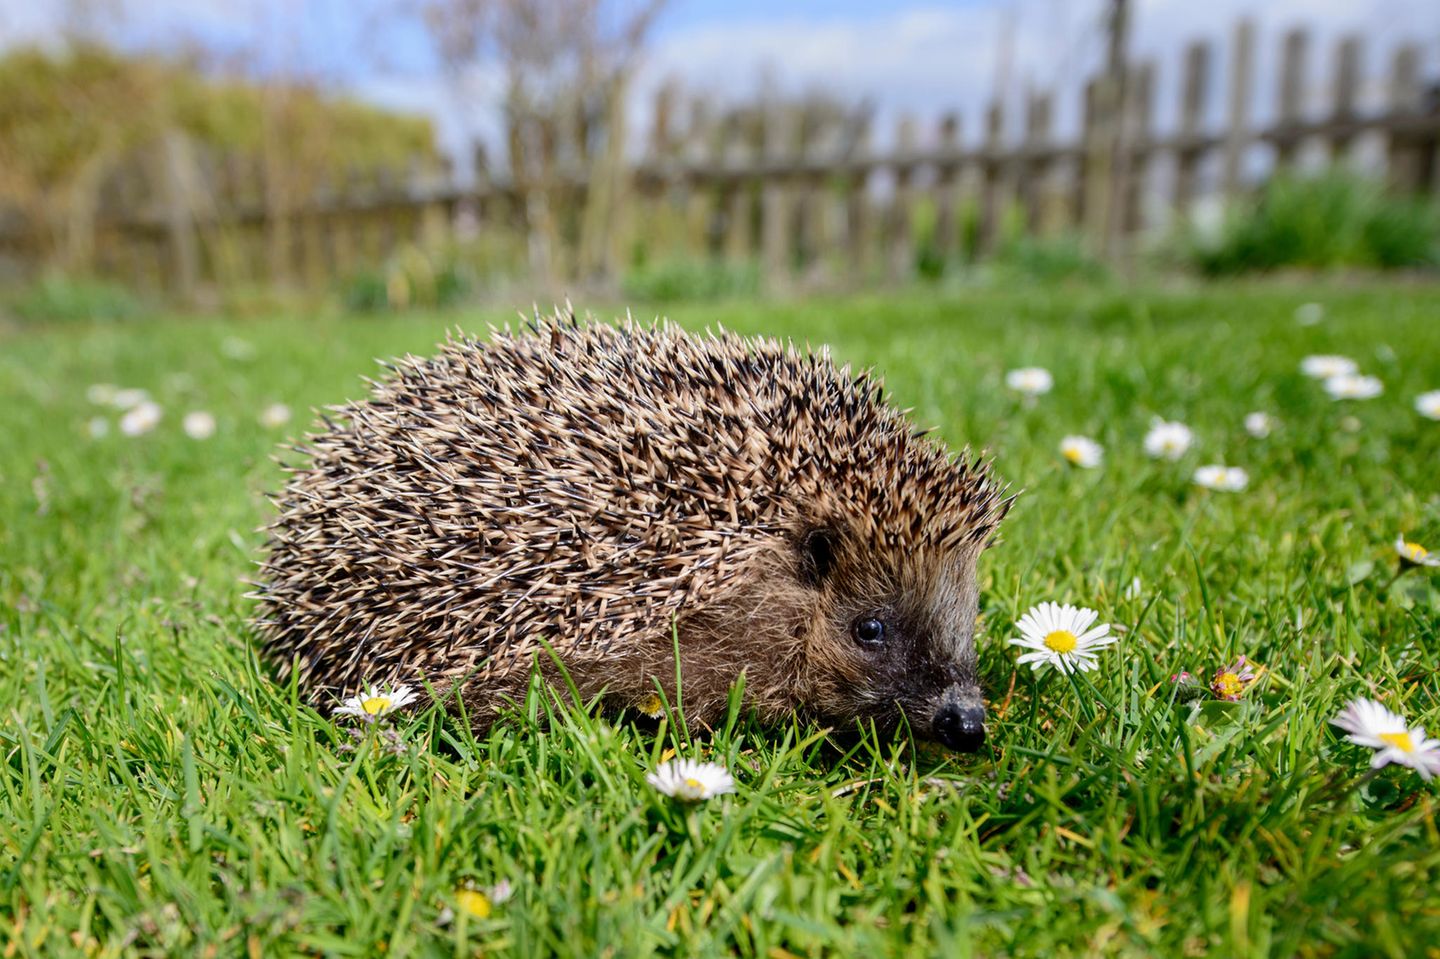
959	723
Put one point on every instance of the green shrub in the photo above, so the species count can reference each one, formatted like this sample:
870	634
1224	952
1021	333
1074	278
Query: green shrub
57	298
925	224
365	292
684	279
1402	235
412	278
1325	222
1049	260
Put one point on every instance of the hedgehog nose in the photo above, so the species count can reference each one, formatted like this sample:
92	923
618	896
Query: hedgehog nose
960	727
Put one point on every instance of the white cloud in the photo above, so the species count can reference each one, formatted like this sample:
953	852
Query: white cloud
923	61
926	60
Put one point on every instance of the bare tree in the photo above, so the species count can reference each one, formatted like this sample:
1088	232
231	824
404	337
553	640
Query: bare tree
566	66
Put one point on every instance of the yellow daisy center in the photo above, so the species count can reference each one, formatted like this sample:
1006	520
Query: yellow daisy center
1400	741
475	903
375	705
1228	684
695	784
651	705
1072	453
1414	551
1062	641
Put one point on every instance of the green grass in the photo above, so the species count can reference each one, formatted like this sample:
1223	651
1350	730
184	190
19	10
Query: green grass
161	795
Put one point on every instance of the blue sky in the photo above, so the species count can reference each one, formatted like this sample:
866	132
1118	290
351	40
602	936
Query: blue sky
918	57
686	14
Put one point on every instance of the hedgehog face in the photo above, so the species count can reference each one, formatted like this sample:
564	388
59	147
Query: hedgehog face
893	636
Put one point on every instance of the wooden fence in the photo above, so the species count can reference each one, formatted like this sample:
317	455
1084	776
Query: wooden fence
800	188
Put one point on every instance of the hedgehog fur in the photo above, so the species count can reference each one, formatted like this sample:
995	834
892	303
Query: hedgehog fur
621	493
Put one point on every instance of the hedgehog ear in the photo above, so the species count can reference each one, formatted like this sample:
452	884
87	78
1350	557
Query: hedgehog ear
818	547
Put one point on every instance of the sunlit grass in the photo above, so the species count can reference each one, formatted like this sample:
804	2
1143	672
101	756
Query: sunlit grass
161	795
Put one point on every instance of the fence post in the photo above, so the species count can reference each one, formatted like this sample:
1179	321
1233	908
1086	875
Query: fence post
314	254
1094	170
250	232
177	176
133	249
775	197
992	203
434	216
739	200
673	189
1138	151
901	239
858	218
1237	132
1343	95
944	241
1405	157
699	195
1112	168
1033	169
600	254
1192	111
1292	92
804	219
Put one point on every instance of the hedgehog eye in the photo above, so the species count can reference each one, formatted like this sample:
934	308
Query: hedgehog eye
868	631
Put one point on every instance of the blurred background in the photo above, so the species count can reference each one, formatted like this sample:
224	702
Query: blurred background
383	155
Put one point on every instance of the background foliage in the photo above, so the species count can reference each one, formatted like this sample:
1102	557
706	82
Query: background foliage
72	118
1336	220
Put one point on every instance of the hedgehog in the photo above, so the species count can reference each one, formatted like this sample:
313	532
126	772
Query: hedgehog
641	512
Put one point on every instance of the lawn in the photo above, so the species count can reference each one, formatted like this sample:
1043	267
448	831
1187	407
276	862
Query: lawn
160	794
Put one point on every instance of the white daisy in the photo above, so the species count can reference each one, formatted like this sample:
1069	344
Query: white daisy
1061	636
1168	440
1082	451
1325	366
141	418
1353	386
1308	314
1030	380
97	428
1228	479
372	703
101	394
128	399
1413	554
1259	424
1370	724
690	780
1428	405
275	415
199	425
